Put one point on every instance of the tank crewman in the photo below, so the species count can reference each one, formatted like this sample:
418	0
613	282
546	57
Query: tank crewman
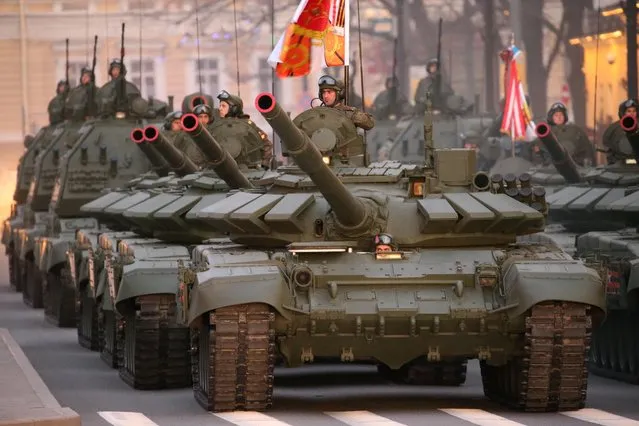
332	95
616	145
384	242
427	84
232	106
204	114
56	105
390	103
107	96
172	121
569	135
80	103
172	129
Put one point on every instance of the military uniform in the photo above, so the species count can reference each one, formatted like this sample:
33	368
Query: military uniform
108	100
390	101
427	85
56	105
360	119
614	138
80	103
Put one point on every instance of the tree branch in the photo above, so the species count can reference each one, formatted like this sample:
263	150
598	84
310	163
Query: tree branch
371	32
558	41
389	5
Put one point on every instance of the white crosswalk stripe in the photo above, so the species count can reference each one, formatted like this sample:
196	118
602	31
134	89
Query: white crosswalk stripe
480	417
250	418
362	418
600	417
125	418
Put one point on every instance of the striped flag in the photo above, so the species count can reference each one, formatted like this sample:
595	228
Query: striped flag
517	118
316	23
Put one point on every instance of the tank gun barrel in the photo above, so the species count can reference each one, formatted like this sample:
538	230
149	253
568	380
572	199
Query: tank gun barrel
349	210
176	159
158	162
629	125
560	158
220	160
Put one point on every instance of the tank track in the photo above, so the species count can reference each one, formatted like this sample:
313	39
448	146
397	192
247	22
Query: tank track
32	290
443	373
19	271
61	311
87	323
12	266
112	331
155	353
615	347
233	368
552	373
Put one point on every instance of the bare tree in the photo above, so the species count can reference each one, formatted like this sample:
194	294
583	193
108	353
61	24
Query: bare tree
574	12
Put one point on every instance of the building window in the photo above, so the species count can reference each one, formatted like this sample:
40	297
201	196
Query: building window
264	75
207	74
142	74
136	5
73	5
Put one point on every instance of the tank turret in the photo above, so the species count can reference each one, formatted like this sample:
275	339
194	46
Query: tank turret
560	158
629	125
176	159
160	166
350	211
221	161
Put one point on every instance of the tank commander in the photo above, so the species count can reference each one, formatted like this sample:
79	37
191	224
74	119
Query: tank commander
172	121
56	105
204	114
569	135
439	95
232	106
332	95
390	103
615	143
80	103
108	96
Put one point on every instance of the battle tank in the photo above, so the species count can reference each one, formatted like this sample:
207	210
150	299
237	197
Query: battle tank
36	210
615	349
317	290
11	226
101	157
140	275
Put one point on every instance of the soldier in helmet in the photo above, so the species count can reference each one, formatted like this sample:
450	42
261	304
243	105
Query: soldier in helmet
204	114
172	121
384	242
56	105
390	103
332	95
569	135
109	96
616	145
232	106
80	103
439	95
172	129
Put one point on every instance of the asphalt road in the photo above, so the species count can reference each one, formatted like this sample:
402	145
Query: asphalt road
311	396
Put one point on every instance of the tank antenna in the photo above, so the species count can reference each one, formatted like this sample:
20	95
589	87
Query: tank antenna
197	43
594	111
140	38
361	70
272	7
237	49
106	26
88	18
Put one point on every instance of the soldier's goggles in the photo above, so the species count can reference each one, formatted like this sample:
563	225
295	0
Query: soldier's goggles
327	80
224	95
630	103
558	105
383	239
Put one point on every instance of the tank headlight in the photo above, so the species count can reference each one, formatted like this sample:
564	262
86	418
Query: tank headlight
302	276
487	276
389	255
120	115
326	159
631	161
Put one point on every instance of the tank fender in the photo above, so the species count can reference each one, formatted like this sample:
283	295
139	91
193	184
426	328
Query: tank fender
145	277
527	283
83	269
107	302
219	287
56	253
8	231
29	240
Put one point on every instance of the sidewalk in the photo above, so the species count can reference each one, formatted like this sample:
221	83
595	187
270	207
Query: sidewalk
24	398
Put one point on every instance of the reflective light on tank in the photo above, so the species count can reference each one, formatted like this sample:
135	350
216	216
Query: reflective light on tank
487	281
389	255
418	189
320	250
631	161
327	160
120	115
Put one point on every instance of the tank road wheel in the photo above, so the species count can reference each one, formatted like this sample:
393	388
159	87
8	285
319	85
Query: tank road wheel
632	347
236	358
595	351
552	374
420	372
20	269
61	297
111	326
87	314
156	350
32	290
101	324
12	266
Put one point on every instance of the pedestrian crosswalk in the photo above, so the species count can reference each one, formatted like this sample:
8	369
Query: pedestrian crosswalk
456	416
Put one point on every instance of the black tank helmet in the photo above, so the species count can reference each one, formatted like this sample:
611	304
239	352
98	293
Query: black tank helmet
203	109
329	82
236	105
432	61
557	107
628	103
86	70
117	63
171	117
392	82
64	84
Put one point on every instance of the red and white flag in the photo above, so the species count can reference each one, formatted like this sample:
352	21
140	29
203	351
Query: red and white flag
316	23
517	119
